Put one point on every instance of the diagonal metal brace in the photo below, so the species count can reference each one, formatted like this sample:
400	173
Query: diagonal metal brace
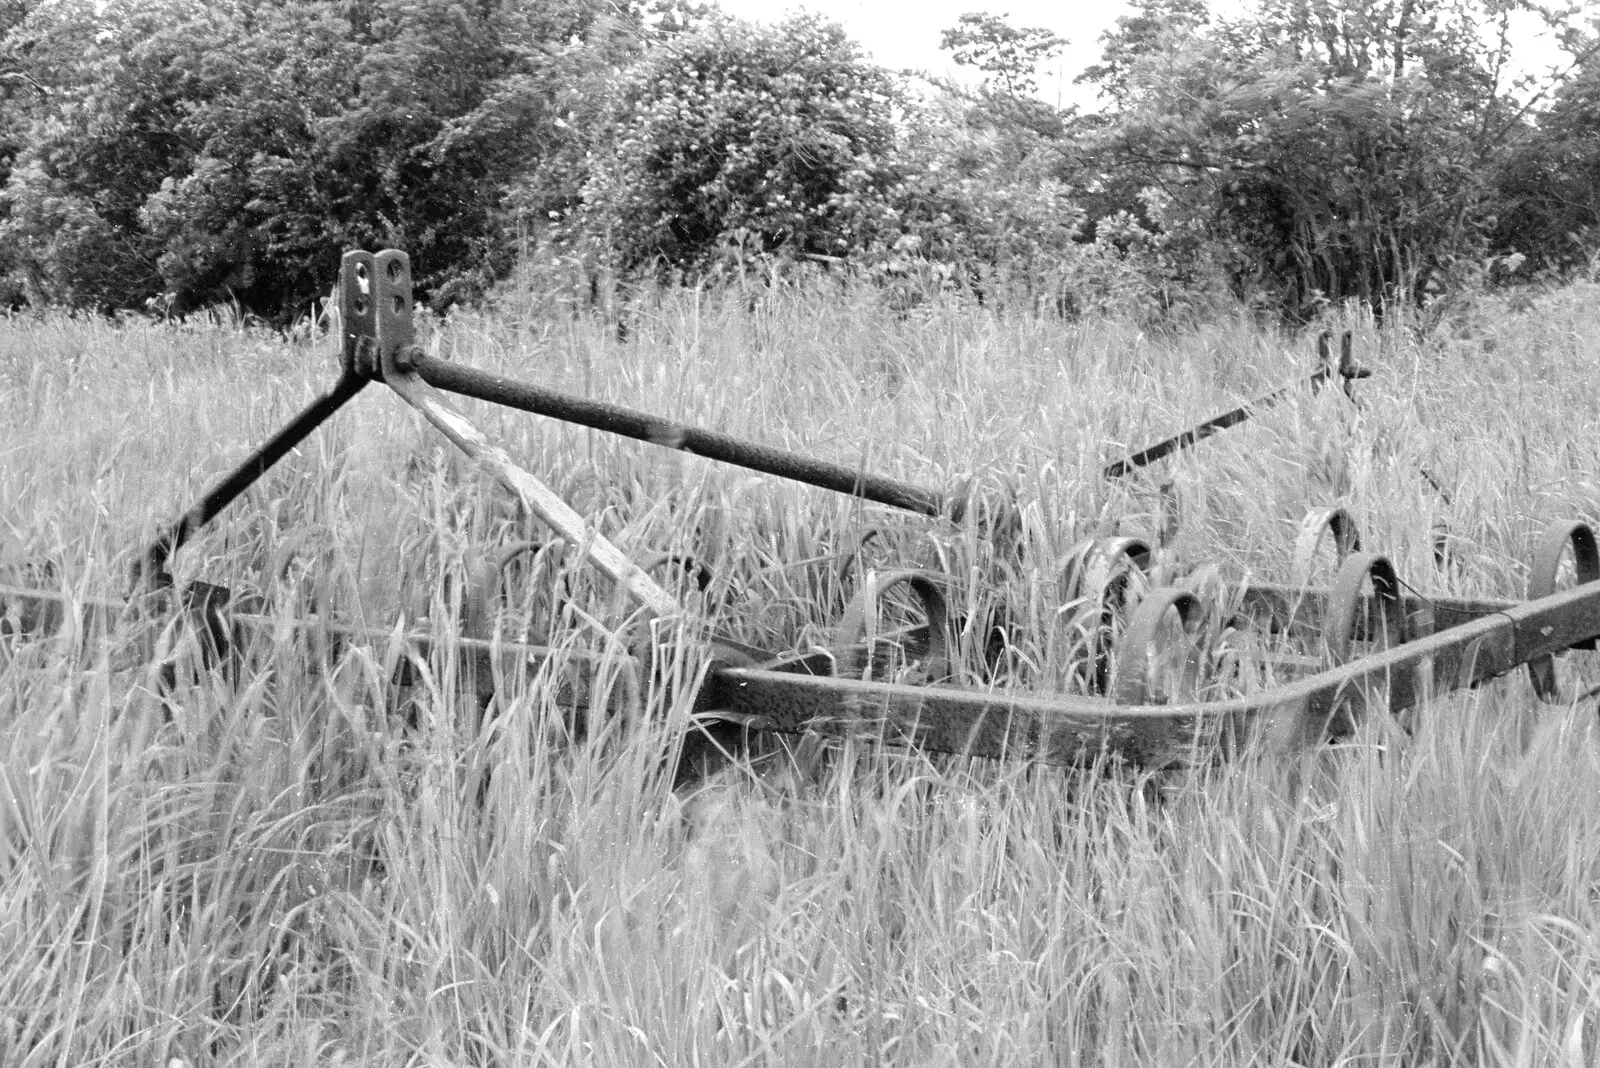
378	289
1346	369
359	321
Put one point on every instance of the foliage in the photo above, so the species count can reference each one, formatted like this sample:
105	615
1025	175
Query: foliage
980	205
737	138
741	146
105	131
1153	27
1549	188
1008	57
18	91
231	151
169	154
1334	151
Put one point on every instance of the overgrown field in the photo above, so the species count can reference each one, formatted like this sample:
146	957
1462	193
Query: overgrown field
304	865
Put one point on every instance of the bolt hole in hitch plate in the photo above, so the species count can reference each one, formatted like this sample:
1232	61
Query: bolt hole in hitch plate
1149	653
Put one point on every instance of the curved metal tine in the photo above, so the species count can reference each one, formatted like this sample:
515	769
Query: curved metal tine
991	511
1346	540
1134	675
1335	520
1093	567
488	584
859	625
692	567
1346	621
851	560
1098	575
1548	555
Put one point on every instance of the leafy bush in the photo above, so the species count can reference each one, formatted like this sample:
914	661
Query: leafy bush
1549	187
737	138
104	132
1329	152
193	153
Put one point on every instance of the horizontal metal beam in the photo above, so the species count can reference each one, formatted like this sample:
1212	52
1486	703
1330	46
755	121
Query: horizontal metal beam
1074	730
615	419
783	695
1300	610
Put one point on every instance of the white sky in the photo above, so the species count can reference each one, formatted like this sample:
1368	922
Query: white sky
905	33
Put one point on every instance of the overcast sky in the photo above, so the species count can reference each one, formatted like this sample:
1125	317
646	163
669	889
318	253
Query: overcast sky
905	33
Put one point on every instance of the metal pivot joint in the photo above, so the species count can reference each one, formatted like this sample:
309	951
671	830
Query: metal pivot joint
375	307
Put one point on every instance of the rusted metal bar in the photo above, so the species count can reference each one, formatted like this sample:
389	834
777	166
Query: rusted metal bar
797	694
1074	730
615	419
1345	368
371	315
153	563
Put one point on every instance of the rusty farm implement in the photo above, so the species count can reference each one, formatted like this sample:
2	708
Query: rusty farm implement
1165	674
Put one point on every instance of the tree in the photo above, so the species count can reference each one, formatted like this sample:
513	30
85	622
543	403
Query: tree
1154	27
736	137
1549	187
102	134
20	93
189	152
1008	57
1337	150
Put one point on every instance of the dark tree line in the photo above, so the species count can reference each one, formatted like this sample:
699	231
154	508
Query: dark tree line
169	154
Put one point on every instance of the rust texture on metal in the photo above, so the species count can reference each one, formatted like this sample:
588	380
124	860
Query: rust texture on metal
1098	574
227	631
859	627
375	301
375	311
1069	730
1131	675
1313	528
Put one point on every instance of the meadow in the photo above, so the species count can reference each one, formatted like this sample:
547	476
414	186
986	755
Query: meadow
297	864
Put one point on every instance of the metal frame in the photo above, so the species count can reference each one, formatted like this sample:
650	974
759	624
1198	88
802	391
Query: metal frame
1433	645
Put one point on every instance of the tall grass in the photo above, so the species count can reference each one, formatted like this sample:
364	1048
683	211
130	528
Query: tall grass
301	862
